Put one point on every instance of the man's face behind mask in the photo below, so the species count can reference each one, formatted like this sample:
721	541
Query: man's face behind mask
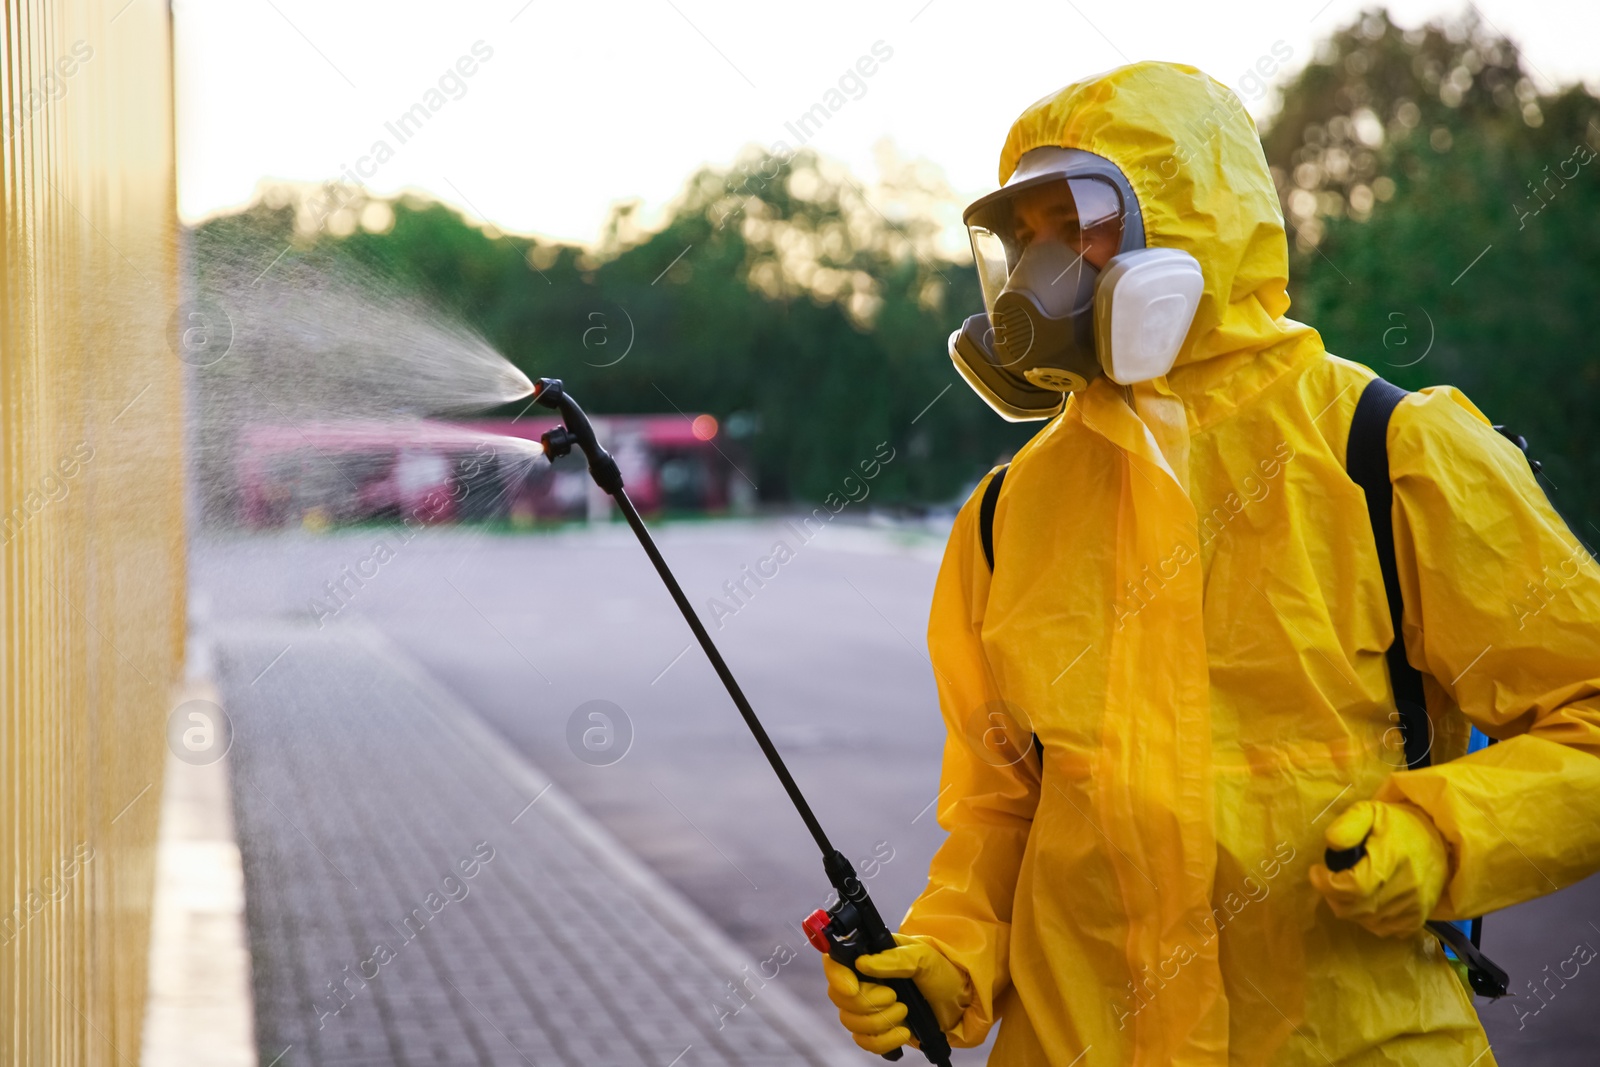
1050	213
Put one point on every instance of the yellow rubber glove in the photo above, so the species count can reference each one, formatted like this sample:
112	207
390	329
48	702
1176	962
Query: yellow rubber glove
870	1011
1397	884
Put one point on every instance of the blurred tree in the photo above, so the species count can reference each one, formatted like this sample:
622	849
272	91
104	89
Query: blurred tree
1446	222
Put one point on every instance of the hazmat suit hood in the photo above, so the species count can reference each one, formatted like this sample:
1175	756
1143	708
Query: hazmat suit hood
1193	157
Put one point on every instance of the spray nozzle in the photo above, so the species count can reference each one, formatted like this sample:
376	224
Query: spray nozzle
547	392
575	429
557	442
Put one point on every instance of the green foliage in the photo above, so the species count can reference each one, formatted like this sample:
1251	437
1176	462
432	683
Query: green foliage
1447	222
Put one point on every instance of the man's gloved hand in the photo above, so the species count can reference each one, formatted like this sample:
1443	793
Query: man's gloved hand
1397	884
870	1011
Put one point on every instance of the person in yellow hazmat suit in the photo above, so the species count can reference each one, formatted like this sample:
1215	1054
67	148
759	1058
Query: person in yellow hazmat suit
1170	694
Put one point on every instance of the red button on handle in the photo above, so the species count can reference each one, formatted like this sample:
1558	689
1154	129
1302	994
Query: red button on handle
814	926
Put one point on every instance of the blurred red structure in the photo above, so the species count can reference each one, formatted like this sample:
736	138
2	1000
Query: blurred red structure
434	472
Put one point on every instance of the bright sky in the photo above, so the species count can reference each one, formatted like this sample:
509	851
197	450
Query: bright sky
571	107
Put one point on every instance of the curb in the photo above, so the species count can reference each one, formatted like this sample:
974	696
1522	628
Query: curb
199	1008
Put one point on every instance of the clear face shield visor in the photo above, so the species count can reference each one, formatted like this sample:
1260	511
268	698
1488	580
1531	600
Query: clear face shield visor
1040	237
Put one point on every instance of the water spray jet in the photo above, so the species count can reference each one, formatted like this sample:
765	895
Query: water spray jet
310	370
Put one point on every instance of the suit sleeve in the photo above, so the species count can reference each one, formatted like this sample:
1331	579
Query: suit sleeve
985	803
1502	608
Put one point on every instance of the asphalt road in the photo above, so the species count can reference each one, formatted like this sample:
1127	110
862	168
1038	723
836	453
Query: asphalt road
529	630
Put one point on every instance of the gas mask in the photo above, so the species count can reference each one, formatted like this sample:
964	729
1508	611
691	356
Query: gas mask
1052	321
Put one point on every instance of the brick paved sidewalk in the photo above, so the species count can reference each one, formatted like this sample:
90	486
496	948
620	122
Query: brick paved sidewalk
417	894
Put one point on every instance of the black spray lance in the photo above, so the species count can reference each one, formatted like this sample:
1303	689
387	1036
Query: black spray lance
852	927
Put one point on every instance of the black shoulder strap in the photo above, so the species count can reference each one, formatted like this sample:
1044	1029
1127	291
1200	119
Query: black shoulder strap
1367	462
991	497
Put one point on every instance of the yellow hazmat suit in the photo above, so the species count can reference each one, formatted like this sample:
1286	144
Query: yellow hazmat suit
1186	609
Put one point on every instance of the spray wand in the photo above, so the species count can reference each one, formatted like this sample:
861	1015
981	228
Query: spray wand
852	927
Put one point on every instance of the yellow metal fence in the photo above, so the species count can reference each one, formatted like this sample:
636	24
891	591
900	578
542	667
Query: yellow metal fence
91	516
